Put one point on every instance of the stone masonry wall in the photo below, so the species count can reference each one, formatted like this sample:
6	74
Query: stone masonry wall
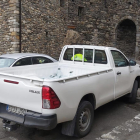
92	24
43	27
126	38
126	9
47	25
99	22
9	26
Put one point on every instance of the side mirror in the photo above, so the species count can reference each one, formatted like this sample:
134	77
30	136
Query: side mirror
132	62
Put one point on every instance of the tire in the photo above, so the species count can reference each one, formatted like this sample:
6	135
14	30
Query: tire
84	119
133	94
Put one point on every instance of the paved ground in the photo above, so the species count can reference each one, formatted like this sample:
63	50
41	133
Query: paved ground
114	121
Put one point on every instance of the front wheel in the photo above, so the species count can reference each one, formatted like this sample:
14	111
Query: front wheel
84	119
133	94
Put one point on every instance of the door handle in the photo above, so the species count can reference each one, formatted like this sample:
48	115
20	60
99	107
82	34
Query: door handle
131	71
118	73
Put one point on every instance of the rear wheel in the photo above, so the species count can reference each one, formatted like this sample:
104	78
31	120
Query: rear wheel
84	119
133	95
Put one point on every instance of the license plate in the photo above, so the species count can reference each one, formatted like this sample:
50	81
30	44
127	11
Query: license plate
16	110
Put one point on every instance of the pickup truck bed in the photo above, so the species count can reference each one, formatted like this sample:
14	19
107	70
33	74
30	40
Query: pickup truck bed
48	72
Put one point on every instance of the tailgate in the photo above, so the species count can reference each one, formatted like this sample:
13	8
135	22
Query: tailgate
19	92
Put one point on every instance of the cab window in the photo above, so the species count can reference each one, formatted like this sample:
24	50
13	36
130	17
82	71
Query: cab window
68	54
6	62
41	60
89	55
119	59
100	57
78	55
23	62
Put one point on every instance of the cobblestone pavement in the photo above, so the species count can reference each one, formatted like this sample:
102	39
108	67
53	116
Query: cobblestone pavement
114	121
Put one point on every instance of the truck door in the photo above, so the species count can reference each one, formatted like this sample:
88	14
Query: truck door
122	73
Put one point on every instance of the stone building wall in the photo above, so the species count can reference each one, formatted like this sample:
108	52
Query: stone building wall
47	25
99	23
126	10
43	28
9	26
92	23
126	37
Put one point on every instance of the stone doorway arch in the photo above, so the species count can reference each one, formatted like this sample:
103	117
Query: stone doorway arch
126	38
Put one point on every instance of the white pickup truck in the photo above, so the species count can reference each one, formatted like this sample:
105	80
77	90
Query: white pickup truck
85	78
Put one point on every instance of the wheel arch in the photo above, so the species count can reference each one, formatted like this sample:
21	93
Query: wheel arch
68	128
138	79
91	98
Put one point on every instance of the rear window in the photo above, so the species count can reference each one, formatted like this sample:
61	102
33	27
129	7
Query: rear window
78	55
68	54
89	55
41	60
23	62
6	62
100	57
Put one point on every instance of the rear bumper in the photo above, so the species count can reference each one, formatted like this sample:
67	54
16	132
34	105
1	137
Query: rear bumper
42	122
31	119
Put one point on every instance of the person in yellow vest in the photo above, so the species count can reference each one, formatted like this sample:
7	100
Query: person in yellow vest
78	57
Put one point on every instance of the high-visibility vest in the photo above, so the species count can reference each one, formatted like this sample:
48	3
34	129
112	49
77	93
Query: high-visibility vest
79	57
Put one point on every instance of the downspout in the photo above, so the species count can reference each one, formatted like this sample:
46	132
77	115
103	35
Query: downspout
105	4
20	50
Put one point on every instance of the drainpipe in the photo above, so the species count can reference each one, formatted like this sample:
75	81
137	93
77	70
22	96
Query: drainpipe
20	26
105	4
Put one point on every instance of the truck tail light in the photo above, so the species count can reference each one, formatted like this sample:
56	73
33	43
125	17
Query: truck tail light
12	82
49	98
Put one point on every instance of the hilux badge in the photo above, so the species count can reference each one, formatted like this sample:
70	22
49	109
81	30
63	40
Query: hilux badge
33	91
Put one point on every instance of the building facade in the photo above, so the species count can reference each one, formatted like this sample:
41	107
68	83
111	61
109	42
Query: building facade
44	26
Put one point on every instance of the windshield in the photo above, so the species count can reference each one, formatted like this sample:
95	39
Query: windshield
6	62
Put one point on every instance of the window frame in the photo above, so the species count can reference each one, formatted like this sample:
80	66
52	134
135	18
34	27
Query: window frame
81	11
13	65
62	3
84	63
105	54
8	58
65	52
75	62
40	57
122	55
92	55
